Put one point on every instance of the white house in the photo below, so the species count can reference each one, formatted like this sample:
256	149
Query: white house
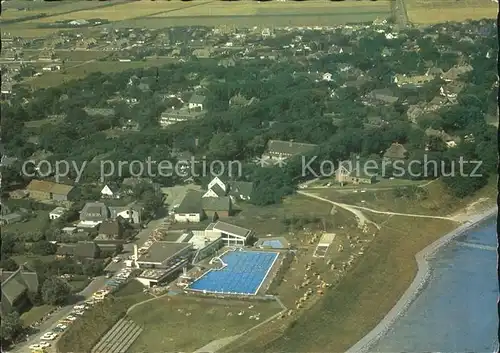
57	213
190	209
216	188
108	192
127	213
327	76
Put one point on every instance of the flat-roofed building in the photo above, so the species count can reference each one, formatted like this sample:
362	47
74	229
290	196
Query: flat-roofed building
232	235
162	260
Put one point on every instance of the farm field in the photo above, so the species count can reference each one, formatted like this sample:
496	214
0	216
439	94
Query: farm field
430	12
28	31
203	319
323	19
275	8
122	11
16	10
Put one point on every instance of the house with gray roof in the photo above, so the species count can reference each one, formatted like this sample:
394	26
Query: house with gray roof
82	250
216	207
112	229
94	213
11	218
15	288
190	209
382	96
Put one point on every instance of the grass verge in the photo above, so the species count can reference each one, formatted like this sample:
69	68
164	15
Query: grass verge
84	333
36	313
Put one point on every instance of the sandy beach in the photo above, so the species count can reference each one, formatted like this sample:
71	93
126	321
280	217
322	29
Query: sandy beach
419	281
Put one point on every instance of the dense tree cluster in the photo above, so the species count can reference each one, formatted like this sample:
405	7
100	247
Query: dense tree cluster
293	105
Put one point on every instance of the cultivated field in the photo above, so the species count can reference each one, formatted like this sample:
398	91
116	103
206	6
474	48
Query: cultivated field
430	11
246	8
324	19
184	324
25	31
19	9
124	11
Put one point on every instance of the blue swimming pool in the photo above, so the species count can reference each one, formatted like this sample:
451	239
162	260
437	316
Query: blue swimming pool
244	273
275	244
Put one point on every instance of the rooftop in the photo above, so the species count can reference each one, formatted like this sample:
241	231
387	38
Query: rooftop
231	229
191	203
162	250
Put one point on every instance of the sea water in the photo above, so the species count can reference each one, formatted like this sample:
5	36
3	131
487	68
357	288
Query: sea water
457	310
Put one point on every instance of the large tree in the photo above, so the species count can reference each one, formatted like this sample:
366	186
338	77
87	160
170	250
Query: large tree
55	291
11	326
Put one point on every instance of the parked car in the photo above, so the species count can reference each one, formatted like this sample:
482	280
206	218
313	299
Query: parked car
49	336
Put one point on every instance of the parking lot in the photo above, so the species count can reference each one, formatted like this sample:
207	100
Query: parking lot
48	339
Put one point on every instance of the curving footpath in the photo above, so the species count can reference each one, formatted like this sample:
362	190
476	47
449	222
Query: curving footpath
417	285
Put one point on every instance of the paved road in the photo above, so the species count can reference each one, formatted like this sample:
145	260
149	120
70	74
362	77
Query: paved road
48	325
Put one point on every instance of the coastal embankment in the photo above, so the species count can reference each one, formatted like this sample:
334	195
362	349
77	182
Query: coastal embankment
420	281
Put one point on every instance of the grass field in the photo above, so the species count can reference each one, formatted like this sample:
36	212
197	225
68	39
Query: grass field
270	219
437	203
246	8
124	11
184	324
77	72
431	11
324	19
27	31
18	9
42	217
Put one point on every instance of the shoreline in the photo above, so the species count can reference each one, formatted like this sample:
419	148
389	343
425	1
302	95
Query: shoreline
419	282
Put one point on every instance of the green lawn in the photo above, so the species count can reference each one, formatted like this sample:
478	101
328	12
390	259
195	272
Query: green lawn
270	219
78	285
34	224
131	288
22	259
35	314
34	124
184	324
